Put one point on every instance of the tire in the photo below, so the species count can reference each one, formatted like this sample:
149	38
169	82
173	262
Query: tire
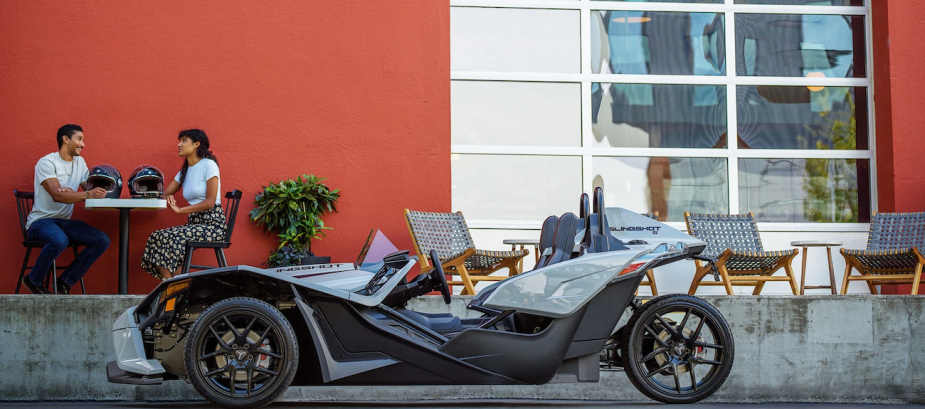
262	368
660	355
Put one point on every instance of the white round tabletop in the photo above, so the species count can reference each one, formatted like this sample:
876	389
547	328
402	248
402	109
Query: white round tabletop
522	241
815	243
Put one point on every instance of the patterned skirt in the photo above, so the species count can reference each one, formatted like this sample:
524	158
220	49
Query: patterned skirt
167	247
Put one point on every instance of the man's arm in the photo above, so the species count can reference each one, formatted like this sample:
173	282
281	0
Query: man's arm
69	196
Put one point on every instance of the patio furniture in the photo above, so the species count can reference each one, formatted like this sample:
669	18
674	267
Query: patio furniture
893	253
735	245
231	213
24	202
448	234
806	244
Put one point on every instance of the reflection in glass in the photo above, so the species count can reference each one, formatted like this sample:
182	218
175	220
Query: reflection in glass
805	2
665	1
658	115
515	113
649	42
805	190
514	187
773	117
669	186
800	45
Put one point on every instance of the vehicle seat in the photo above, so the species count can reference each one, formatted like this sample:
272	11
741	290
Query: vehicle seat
564	238
546	239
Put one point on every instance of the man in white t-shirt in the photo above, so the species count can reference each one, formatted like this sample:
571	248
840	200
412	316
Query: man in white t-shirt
58	176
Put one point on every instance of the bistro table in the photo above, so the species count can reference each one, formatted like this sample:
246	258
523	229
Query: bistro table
828	247
124	206
524	242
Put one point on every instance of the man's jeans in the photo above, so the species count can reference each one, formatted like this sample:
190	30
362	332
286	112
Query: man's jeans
58	234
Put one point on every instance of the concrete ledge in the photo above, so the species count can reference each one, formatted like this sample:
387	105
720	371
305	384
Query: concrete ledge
788	349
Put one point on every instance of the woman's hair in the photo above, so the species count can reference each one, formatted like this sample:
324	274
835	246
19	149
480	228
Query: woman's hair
203	152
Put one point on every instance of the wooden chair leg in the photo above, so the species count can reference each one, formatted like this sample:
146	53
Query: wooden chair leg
650	275
844	283
698	276
872	287
468	288
917	280
758	287
793	279
724	274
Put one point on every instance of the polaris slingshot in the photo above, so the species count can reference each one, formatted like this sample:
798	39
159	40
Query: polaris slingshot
242	335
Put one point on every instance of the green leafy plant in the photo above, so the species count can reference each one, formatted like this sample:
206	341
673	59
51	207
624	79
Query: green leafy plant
293	209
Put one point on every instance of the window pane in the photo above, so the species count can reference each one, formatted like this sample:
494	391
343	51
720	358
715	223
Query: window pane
649	42
516	113
669	186
805	2
515	187
805	190
800	45
519	40
772	117
658	115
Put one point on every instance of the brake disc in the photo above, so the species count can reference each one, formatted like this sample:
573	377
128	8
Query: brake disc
664	335
263	361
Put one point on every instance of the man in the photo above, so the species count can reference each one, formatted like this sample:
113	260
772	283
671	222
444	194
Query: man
58	176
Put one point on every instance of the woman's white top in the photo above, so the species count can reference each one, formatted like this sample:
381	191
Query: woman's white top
194	188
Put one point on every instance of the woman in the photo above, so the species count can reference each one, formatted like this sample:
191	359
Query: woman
199	178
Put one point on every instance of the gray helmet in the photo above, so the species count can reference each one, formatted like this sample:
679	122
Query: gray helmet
107	177
146	181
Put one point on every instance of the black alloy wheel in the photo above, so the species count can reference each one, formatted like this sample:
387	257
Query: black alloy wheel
677	349
241	353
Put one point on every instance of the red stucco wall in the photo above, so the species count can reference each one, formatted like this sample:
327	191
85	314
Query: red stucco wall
899	87
355	91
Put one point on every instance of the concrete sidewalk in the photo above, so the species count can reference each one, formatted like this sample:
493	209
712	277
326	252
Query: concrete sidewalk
867	349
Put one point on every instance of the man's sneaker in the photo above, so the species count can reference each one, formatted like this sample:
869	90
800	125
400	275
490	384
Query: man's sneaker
34	289
63	288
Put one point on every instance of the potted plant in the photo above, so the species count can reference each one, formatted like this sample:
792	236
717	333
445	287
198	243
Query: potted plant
292	209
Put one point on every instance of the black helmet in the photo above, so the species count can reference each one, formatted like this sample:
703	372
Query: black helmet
106	177
146	181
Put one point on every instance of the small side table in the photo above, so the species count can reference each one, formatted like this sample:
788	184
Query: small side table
124	206
523	242
828	248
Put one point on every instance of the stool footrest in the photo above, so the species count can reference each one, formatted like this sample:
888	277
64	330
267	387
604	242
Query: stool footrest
814	287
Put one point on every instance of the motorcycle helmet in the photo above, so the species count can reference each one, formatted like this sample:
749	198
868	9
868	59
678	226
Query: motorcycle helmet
106	177
146	182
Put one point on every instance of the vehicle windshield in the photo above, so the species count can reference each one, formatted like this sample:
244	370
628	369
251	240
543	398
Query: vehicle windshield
374	251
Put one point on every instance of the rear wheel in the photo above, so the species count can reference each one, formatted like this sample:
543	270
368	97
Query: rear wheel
677	349
241	353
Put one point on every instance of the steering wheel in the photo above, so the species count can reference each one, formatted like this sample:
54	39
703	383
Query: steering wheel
441	277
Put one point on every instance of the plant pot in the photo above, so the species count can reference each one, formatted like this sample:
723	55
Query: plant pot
315	260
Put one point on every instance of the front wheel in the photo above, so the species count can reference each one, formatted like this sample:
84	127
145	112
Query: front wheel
677	349
241	353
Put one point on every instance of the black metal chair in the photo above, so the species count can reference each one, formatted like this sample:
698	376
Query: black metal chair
24	201
231	213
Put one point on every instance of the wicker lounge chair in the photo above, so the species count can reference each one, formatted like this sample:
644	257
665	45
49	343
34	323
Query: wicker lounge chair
734	243
893	255
448	234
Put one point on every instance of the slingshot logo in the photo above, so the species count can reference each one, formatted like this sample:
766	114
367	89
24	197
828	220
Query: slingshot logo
653	229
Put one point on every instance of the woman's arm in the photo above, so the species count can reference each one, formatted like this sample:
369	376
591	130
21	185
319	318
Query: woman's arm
172	188
211	193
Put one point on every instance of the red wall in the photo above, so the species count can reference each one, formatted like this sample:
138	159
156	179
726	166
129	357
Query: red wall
355	91
899	87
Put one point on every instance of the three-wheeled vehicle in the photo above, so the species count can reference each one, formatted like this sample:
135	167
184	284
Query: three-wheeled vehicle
242	335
